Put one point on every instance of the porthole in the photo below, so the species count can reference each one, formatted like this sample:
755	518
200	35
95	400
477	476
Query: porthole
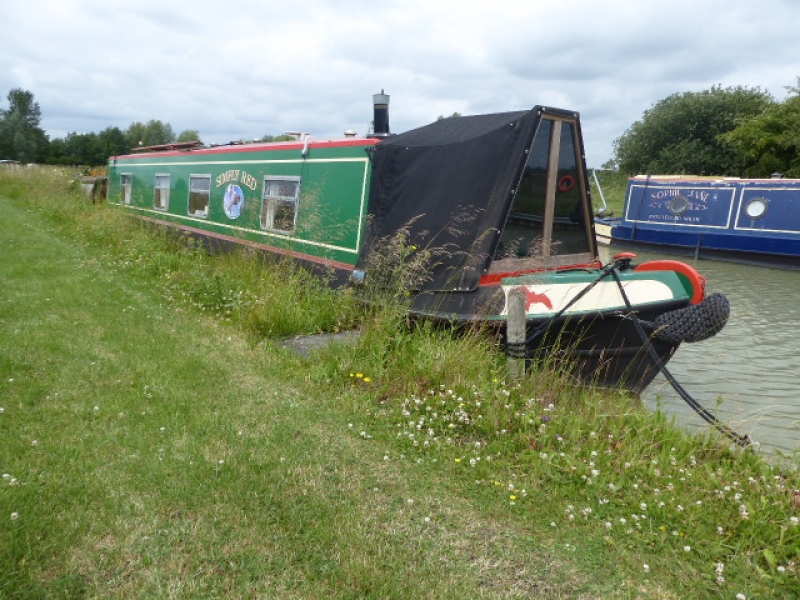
678	205
756	208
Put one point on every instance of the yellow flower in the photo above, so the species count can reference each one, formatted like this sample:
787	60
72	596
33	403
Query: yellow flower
360	375
458	460
367	379
512	497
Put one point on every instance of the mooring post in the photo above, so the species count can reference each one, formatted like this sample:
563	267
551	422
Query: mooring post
515	333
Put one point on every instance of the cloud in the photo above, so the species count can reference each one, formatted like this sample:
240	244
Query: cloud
245	68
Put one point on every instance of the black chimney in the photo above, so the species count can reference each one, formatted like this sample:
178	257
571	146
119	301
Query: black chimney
380	125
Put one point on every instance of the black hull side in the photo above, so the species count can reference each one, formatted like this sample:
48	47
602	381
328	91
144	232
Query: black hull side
605	350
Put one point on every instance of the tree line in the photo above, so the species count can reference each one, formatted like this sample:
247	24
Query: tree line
731	131
22	138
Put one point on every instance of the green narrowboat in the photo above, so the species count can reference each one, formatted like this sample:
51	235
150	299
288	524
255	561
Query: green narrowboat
485	203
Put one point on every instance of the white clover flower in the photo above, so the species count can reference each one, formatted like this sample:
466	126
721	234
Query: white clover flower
14	516
741	597
646	568
687	548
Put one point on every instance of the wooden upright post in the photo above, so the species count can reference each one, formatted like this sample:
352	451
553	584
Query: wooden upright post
515	333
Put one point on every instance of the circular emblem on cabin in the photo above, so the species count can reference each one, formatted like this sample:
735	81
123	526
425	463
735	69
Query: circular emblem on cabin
233	201
756	208
678	205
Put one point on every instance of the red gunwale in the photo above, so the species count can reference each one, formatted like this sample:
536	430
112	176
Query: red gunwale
698	281
497	278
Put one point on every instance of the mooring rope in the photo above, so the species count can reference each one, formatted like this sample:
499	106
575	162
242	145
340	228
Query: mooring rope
612	269
544	326
742	440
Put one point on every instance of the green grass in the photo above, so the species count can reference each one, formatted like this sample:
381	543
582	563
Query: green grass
614	186
157	441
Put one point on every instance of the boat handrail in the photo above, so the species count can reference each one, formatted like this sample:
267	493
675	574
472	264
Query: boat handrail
600	190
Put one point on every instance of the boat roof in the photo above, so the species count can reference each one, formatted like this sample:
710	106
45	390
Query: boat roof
197	148
707	178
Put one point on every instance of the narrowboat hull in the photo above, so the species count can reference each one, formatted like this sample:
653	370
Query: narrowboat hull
751	221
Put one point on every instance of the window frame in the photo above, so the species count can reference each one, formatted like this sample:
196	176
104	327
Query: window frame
165	191
126	187
271	203
205	191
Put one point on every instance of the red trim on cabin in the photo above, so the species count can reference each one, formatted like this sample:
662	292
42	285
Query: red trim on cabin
497	278
698	281
257	147
325	262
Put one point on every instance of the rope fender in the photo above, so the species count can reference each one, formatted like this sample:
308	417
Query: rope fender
693	323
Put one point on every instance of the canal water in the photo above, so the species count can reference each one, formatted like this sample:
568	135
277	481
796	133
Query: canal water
747	375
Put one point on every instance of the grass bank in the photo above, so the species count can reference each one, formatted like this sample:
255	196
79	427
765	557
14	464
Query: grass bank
157	441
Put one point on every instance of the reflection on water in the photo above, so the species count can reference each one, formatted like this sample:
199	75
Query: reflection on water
747	375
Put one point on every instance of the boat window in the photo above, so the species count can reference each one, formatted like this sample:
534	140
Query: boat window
549	218
279	203
161	200
756	208
199	195
125	187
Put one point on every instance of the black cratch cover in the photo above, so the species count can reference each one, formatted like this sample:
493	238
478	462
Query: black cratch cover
443	192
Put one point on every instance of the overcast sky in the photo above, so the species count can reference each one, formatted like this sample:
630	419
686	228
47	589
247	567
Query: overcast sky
240	69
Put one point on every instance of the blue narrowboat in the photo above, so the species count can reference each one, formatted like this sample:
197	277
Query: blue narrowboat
744	220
